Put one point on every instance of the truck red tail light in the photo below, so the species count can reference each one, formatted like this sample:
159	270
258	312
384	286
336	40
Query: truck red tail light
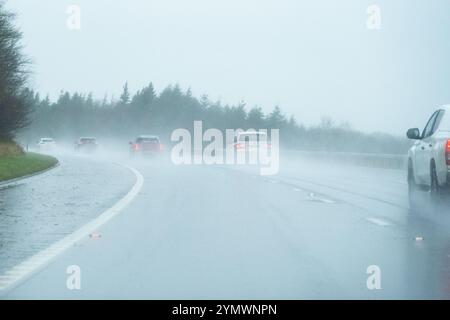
240	146
447	152
136	147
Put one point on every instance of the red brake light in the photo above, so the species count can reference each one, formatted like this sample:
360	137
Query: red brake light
136	147
161	147
240	146
447	152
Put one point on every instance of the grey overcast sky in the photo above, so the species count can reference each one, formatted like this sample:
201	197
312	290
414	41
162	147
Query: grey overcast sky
313	58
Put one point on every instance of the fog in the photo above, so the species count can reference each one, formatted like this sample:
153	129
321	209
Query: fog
225	231
125	169
313	58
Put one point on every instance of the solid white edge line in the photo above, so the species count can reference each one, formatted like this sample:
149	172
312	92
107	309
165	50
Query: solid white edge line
25	269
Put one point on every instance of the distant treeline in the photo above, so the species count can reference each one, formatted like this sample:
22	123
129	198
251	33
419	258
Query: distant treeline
146	112
27	116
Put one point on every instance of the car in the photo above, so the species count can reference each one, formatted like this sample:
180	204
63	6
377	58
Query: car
429	159
249	145
46	144
146	145
251	141
86	144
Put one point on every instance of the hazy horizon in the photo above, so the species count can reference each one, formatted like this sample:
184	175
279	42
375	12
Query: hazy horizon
312	59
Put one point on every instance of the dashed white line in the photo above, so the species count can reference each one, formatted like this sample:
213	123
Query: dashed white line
379	222
318	199
25	269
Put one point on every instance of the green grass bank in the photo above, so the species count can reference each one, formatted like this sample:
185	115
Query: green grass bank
14	163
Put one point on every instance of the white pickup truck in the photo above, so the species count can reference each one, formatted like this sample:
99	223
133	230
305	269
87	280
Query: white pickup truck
429	158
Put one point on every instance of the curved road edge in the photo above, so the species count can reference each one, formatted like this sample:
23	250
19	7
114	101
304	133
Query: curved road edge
6	183
30	266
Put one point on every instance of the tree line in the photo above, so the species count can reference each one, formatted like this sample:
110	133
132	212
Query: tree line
14	96
148	112
26	116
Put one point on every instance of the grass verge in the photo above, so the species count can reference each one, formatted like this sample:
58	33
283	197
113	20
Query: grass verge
19	165
10	148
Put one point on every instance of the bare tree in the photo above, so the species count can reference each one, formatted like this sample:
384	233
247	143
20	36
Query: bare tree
14	97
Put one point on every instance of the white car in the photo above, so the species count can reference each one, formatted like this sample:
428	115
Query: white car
46	144
251	141
249	145
429	158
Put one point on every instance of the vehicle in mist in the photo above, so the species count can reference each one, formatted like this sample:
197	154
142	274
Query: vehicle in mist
46	144
251	140
86	145
429	158
148	145
268	160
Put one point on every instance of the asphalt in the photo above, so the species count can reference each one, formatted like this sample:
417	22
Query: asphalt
226	232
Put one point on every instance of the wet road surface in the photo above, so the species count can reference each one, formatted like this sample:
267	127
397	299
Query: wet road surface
36	212
208	232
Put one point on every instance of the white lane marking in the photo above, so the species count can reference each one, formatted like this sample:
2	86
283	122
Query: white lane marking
315	198
379	222
25	269
297	190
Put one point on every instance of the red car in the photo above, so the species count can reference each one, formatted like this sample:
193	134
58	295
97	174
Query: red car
146	145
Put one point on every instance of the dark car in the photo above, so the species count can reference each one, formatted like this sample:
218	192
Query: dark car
146	145
86	144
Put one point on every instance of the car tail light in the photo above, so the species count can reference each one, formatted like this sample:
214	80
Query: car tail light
240	146
136	147
161	147
447	152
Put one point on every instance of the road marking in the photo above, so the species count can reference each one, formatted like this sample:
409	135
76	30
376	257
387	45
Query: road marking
379	222
313	197
24	270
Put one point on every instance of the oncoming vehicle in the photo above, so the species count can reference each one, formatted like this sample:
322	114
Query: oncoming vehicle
46	144
86	144
429	158
146	145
